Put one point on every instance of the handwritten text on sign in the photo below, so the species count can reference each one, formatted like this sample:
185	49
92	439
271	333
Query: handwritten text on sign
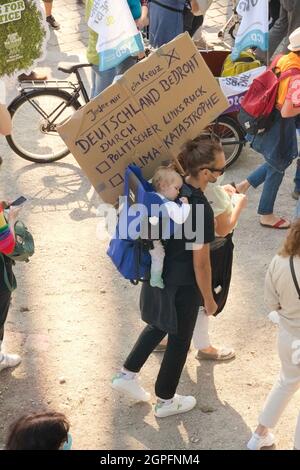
145	117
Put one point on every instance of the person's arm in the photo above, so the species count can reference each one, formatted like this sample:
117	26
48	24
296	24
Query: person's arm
202	269
271	296
7	230
135	8
225	221
143	20
195	7
5	121
12	218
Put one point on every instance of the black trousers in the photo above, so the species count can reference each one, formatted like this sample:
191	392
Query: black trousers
221	264
190	22
5	294
187	302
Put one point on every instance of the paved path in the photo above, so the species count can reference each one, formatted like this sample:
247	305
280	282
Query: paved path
73	319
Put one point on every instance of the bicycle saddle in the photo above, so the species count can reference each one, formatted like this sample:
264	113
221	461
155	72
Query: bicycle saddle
73	68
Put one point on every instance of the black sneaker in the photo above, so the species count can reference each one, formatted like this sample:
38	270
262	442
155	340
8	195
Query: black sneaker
52	22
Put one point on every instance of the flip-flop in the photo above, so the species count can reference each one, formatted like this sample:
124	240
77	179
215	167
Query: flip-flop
222	354
278	224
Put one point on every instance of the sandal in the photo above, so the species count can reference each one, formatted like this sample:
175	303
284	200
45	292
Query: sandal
278	224
222	354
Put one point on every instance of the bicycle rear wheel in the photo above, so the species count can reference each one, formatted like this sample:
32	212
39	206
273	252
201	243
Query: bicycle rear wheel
35	117
231	136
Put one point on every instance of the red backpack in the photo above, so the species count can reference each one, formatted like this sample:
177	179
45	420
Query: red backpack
256	114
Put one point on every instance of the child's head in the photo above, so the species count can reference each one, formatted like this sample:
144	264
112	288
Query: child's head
291	246
167	182
43	431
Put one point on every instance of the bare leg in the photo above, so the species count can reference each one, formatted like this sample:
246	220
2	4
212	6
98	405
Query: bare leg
261	430
48	8
243	186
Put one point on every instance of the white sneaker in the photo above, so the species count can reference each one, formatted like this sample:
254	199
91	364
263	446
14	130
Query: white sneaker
9	360
180	404
131	387
257	442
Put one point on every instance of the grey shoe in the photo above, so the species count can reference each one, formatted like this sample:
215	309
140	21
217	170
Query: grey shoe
52	22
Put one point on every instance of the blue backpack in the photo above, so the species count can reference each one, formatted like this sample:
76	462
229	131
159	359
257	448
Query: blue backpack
129	250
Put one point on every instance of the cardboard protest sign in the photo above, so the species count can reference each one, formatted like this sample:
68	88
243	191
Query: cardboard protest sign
23	35
145	117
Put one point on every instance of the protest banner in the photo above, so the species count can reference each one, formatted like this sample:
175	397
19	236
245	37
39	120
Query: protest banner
254	27
23	35
118	36
145	117
235	87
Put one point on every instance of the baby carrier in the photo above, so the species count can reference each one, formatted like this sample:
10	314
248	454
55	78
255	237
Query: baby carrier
129	247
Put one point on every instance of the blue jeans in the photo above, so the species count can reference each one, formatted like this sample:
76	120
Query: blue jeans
297	177
272	179
297	211
278	145
297	174
101	80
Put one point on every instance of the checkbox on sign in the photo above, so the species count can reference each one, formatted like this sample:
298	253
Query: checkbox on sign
103	167
116	180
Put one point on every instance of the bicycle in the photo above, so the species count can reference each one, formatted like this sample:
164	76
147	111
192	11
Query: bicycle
45	105
231	135
232	24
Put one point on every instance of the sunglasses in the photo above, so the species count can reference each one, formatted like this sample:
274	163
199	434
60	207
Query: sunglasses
213	170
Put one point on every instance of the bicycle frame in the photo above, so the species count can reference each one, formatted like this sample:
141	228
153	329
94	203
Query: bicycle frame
231	23
27	89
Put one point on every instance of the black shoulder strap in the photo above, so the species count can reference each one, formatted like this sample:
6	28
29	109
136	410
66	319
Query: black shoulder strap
294	275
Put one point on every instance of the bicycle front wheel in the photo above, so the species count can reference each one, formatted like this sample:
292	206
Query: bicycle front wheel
35	117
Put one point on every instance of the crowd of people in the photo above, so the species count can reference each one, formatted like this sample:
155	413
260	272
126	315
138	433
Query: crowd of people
188	286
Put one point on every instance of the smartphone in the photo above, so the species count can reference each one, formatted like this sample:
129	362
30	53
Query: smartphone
19	201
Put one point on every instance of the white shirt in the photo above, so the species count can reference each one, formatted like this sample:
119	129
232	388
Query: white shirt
281	293
219	200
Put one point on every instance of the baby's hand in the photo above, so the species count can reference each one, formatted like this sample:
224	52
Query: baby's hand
184	200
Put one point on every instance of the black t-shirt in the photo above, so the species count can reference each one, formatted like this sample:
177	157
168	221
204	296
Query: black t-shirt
178	263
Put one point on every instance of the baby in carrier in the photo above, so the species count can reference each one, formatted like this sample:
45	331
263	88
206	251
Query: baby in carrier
167	184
